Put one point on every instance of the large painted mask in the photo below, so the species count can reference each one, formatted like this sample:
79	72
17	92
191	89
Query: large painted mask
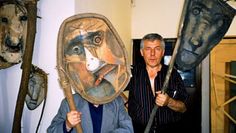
13	29
205	24
93	57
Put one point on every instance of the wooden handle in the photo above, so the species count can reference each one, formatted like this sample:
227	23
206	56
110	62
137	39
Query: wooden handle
26	66
69	96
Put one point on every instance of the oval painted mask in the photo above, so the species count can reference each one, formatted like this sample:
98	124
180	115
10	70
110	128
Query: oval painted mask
93	57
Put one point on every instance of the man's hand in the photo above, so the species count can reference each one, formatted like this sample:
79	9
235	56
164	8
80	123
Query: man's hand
165	100
162	99
72	119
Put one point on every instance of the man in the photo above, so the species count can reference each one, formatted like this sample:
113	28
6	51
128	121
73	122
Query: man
145	90
105	118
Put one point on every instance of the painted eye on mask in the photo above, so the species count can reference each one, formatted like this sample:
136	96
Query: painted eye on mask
77	50
97	40
196	10
4	20
23	18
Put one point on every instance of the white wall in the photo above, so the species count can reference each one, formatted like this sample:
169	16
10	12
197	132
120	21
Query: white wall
232	31
205	95
10	82
161	16
53	13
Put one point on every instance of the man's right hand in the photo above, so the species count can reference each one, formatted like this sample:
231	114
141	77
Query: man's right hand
72	119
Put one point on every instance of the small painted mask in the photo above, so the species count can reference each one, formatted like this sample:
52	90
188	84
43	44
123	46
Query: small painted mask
37	88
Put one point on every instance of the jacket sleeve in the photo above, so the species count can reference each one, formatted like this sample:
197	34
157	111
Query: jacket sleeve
58	121
124	120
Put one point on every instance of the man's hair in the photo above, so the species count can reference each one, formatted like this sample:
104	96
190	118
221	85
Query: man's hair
152	37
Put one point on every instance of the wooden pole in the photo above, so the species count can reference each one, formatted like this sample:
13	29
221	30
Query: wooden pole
170	68
26	65
68	93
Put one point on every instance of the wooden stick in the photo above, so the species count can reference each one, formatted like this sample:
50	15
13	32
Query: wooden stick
68	93
26	65
165	85
227	79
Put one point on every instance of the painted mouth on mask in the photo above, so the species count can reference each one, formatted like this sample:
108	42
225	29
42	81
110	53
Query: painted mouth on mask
34	102
13	47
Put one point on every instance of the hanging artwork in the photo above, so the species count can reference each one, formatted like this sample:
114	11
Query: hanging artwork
13	31
37	88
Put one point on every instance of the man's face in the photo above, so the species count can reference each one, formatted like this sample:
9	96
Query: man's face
152	52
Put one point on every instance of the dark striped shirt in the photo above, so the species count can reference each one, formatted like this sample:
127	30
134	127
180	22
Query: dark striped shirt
141	100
